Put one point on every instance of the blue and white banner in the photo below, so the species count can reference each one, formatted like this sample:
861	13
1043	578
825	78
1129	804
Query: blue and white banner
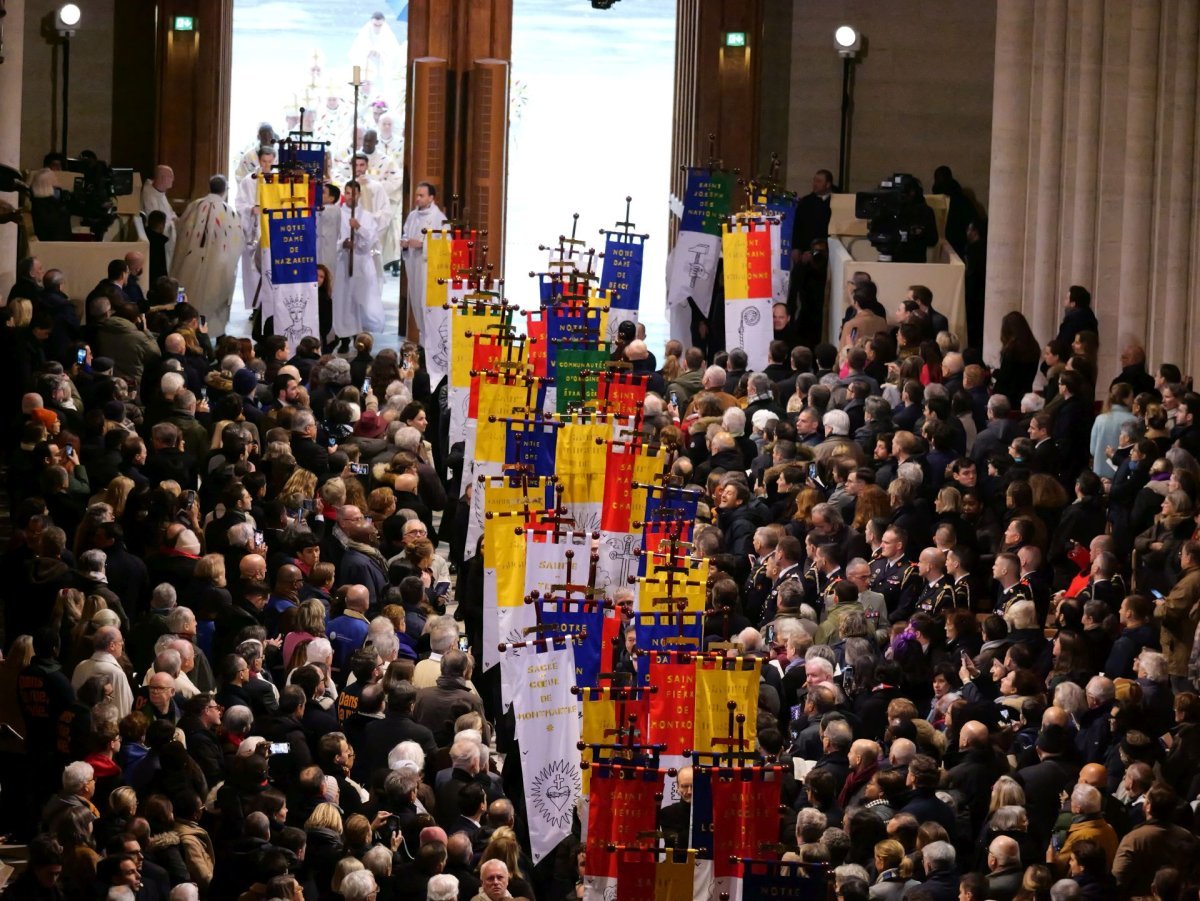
622	277
293	248
692	270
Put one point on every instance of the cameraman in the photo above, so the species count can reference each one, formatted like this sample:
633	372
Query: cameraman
51	218
915	218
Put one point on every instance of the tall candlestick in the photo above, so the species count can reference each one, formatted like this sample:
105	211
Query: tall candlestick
357	75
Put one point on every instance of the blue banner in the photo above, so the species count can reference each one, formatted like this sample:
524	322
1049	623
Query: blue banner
702	812
784	207
652	631
531	445
293	239
623	271
574	328
573	618
768	879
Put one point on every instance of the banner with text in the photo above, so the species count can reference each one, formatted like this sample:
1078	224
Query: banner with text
547	732
293	249
692	269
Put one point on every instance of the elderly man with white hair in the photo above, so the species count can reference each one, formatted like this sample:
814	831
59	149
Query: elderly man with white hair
838	443
494	875
359	886
107	645
1087	824
78	787
442	887
443	636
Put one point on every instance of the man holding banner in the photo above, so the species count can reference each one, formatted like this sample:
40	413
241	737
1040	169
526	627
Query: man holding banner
357	302
424	218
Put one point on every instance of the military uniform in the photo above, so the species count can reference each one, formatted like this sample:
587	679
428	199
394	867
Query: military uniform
898	582
772	607
962	594
1108	591
828	601
1006	597
935	597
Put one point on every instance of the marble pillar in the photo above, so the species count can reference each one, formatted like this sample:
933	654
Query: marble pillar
1095	148
10	129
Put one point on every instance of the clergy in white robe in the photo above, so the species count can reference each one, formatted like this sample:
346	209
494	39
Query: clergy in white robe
154	197
357	302
206	254
253	284
384	168
249	162
425	217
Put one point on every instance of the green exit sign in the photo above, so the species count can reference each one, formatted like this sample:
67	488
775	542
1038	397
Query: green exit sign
735	39
184	23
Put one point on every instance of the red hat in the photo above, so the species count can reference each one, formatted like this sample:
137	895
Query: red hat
370	425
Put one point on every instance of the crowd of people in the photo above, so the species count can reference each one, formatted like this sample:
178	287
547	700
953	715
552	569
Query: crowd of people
240	622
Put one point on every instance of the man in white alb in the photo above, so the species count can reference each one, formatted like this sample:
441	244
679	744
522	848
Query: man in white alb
357	303
154	197
253	283
425	217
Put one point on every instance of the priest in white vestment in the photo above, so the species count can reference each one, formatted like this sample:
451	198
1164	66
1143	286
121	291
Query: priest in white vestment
357	302
206	254
247	208
425	217
154	197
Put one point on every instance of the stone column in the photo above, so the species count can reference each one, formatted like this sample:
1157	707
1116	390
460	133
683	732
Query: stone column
1088	67
1009	165
10	129
1047	184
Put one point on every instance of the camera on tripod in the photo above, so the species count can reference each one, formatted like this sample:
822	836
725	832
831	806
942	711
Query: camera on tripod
882	209
94	198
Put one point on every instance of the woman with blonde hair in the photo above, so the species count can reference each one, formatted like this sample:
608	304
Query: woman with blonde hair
116	495
20	312
18	657
301	485
325	846
207	593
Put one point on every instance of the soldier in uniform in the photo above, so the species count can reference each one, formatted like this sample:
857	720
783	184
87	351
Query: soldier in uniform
1034	577
782	567
959	562
1104	583
893	575
758	585
1009	587
937	592
829	565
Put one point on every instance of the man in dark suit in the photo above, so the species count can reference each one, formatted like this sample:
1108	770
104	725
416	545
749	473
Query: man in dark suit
675	819
1045	448
472	801
1079	316
1045	780
396	726
999	432
1072	427
464	755
309	455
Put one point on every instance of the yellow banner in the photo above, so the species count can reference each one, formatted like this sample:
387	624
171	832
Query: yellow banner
462	345
717	683
692	585
673	881
276	196
437	268
598	300
504	542
599	718
498	399
733	251
581	455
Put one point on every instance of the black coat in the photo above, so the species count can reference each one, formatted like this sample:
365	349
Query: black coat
1043	782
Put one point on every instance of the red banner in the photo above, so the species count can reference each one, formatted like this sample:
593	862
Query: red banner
745	806
758	262
623	803
485	356
618	488
535	329
460	252
621	393
673	706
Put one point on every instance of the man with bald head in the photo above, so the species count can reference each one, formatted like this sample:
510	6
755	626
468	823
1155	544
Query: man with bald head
937	589
348	631
362	563
154	197
979	766
1004	869
1096	775
458	863
864	764
1133	369
160	697
284	603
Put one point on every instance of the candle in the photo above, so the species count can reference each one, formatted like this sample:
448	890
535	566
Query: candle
357	72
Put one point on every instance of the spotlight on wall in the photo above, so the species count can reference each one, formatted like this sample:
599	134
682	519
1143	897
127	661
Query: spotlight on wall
847	40
66	21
